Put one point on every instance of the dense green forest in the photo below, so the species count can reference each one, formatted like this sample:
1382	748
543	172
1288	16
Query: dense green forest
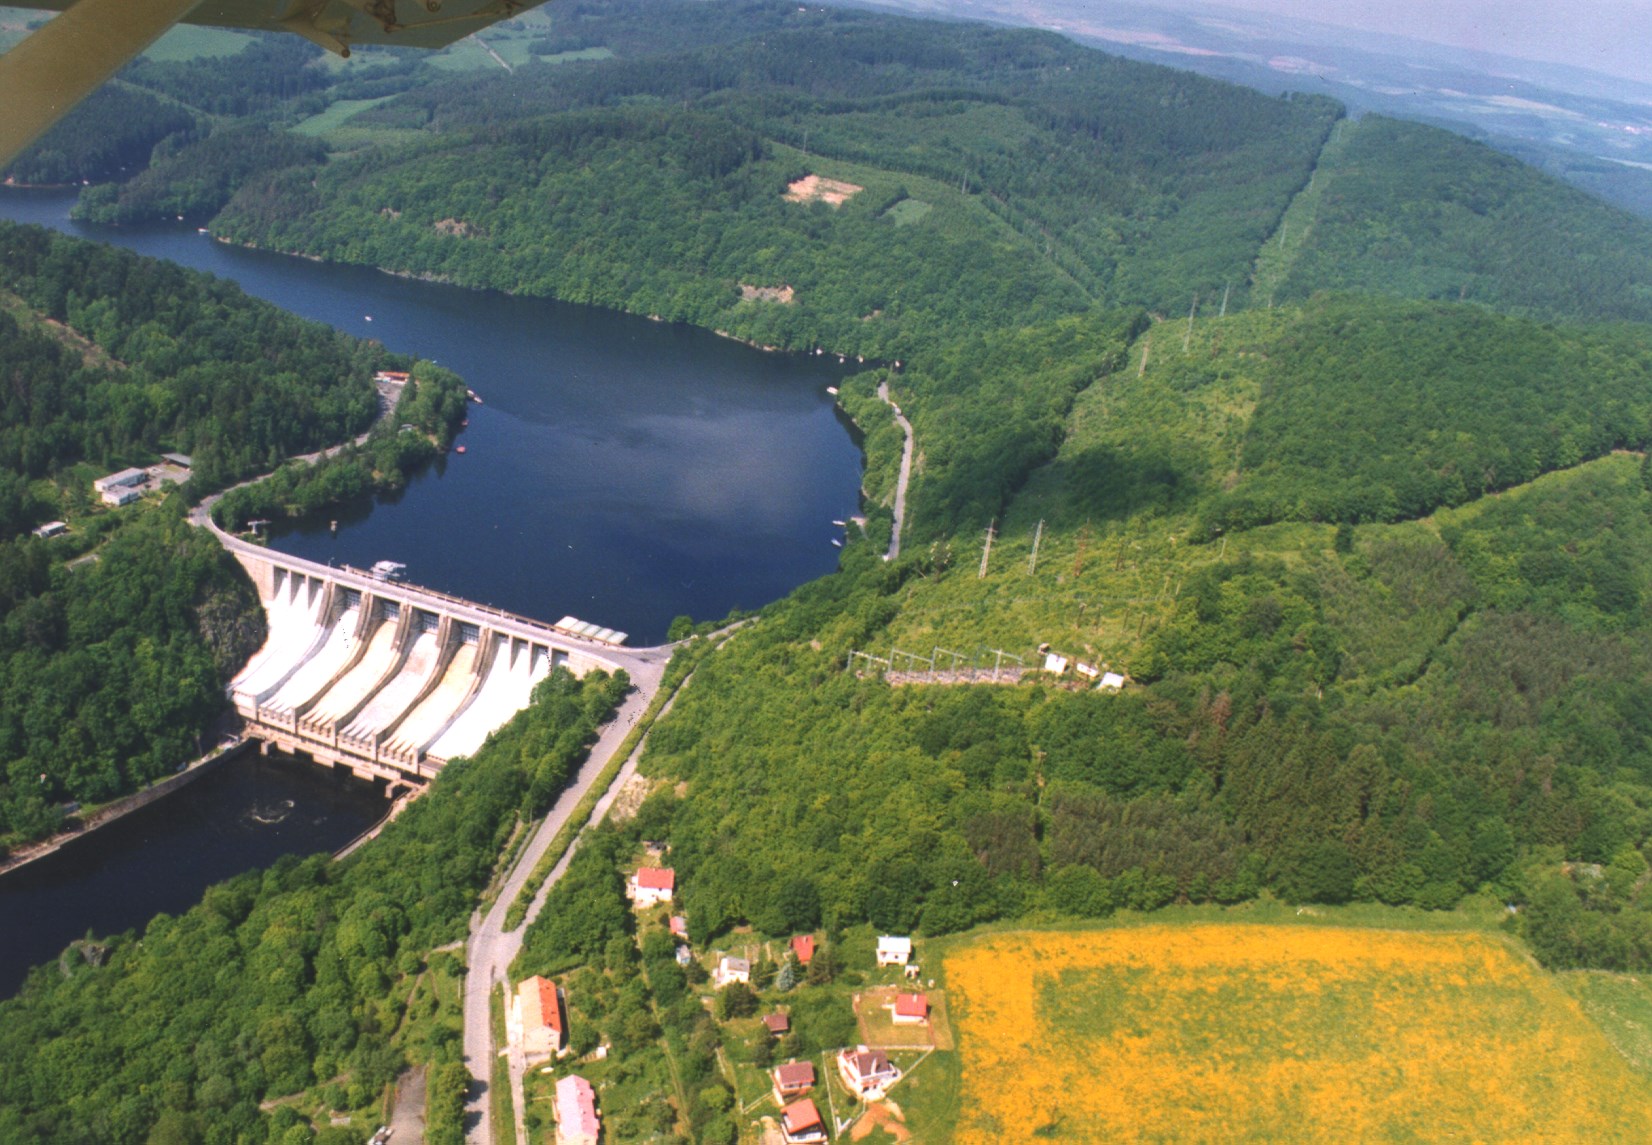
998	172
1424	213
165	358
111	672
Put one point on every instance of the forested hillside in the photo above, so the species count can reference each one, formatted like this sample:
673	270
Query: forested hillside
111	668
990	171
1420	212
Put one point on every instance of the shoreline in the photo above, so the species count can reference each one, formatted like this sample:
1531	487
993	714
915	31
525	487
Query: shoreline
125	805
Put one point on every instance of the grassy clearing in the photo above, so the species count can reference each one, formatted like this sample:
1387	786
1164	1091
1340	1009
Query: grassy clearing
336	116
1621	1005
582	54
186	42
907	211
1279	1033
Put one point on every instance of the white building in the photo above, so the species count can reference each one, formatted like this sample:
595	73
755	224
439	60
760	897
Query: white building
121	495
731	969
893	950
118	480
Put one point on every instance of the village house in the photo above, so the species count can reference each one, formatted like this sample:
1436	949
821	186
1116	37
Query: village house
893	950
803	945
577	1122
867	1073
800	1123
777	1023
1110	682
679	927
651	885
51	529
792	1079
539	1009
731	969
911	1009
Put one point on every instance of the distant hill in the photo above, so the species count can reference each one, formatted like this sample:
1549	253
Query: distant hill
998	172
1419	212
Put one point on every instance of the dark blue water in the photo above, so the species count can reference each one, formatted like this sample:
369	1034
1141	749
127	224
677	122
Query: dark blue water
245	814
621	470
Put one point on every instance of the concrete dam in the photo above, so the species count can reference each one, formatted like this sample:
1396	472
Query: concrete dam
393	680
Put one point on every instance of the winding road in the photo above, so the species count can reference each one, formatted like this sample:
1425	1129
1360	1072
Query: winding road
906	473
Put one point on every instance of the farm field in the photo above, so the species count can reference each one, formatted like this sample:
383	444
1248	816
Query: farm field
1278	1033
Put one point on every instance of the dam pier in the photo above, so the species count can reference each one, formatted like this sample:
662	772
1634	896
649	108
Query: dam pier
390	679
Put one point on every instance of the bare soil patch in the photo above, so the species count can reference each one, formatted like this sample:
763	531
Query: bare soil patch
829	191
780	294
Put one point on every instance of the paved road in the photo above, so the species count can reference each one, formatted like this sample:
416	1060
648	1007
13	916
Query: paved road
906	474
492	948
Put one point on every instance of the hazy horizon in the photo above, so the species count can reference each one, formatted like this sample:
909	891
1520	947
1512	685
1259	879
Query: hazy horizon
1606	36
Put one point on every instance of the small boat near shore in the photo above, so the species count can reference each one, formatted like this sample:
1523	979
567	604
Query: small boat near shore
458	449
474	396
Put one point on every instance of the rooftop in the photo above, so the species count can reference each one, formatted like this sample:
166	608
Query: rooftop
656	878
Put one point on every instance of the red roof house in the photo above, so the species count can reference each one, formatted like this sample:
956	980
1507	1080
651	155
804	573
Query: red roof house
544	1031
803	945
800	1123
577	1122
792	1079
911	1009
651	885
777	1023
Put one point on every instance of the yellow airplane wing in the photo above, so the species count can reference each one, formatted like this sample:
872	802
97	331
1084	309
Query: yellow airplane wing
70	56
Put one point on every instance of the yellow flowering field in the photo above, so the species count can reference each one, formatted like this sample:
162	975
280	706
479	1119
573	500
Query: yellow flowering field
1278	1033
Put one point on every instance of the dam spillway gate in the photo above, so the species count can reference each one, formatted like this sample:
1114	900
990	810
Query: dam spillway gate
390	679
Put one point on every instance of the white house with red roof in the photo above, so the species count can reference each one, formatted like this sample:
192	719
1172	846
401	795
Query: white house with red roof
539	1010
652	885
911	1009
800	1123
577	1122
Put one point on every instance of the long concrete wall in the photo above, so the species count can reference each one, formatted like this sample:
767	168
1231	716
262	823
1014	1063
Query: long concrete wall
391	679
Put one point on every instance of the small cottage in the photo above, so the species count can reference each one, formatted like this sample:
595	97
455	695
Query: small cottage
911	1009
792	1079
731	969
893	950
651	885
577	1122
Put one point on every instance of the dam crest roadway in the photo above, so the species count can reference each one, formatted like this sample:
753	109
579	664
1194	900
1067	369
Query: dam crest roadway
390	679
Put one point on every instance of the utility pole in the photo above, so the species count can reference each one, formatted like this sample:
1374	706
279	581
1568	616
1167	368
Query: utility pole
1226	286
1187	339
1032	562
986	550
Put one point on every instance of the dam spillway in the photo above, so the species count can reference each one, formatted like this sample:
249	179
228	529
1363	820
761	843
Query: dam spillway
390	679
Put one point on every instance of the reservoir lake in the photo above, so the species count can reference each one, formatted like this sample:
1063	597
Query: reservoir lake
620	470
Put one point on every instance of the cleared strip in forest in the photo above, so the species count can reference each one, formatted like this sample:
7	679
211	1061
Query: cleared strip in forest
1278	255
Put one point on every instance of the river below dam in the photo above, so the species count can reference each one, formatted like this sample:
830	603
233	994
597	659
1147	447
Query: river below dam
620	470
